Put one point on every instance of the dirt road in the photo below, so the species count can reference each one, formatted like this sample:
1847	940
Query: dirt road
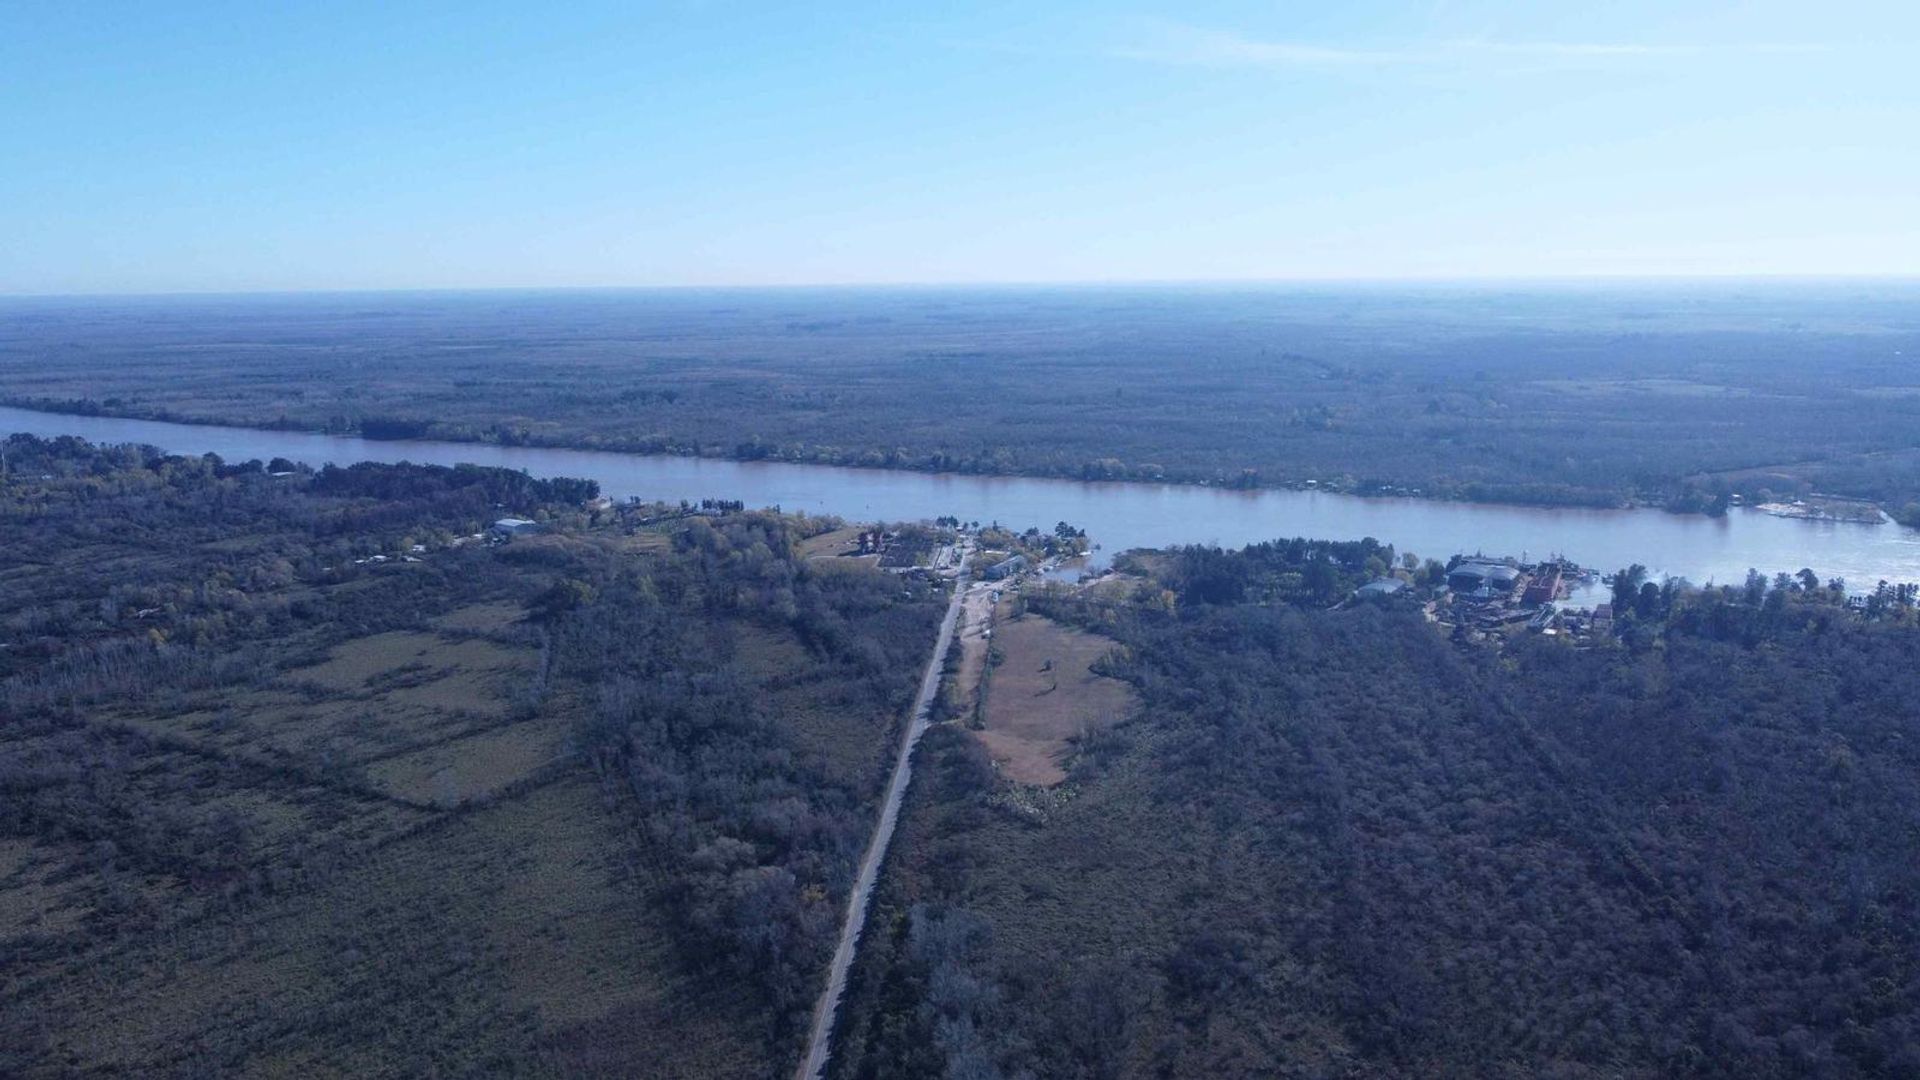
973	638
819	1042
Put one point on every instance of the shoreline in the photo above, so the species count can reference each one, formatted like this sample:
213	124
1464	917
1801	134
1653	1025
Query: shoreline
1396	492
1122	514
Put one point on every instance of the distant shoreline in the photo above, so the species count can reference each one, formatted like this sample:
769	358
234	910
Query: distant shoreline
162	416
1121	514
1820	508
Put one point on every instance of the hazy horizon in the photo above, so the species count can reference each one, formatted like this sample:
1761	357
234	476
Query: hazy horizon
1470	283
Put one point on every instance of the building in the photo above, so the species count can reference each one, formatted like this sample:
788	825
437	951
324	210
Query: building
1544	588
1006	567
1377	590
1483	579
516	527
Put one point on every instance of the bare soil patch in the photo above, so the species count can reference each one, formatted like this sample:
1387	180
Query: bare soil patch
973	635
1043	693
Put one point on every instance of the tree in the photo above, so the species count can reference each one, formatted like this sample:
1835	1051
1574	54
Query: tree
1321	579
1647	603
563	596
1626	587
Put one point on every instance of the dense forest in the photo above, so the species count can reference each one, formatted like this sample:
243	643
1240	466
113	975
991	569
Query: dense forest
305	773
1677	395
1331	842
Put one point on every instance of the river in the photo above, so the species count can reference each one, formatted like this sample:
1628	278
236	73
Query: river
1116	515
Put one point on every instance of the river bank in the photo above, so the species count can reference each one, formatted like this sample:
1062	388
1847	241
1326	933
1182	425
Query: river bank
1106	471
1828	508
1116	515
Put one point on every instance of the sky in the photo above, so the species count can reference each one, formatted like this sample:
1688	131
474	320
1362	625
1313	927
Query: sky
243	146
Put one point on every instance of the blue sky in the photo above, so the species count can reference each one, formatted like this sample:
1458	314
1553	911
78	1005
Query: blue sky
241	146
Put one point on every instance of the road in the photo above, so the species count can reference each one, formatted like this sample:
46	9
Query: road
974	637
819	1041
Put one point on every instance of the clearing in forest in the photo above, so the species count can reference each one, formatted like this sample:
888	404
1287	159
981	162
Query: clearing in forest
1043	693
833	544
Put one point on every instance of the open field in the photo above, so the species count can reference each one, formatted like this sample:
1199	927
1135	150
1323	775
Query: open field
386	705
832	543
1043	694
515	926
473	766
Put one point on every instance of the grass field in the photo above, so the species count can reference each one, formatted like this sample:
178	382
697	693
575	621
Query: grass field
515	922
1043	694
834	542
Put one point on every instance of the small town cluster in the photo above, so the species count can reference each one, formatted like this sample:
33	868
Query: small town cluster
1485	598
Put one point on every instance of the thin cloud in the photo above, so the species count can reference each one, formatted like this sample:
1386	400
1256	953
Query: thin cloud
1181	44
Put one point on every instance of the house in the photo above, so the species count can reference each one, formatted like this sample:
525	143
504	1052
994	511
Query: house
516	527
1376	590
1006	567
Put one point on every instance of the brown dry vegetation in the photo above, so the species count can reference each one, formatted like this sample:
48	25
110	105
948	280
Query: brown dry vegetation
975	640
834	542
514	927
1043	694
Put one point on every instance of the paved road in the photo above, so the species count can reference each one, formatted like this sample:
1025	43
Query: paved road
819	1042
